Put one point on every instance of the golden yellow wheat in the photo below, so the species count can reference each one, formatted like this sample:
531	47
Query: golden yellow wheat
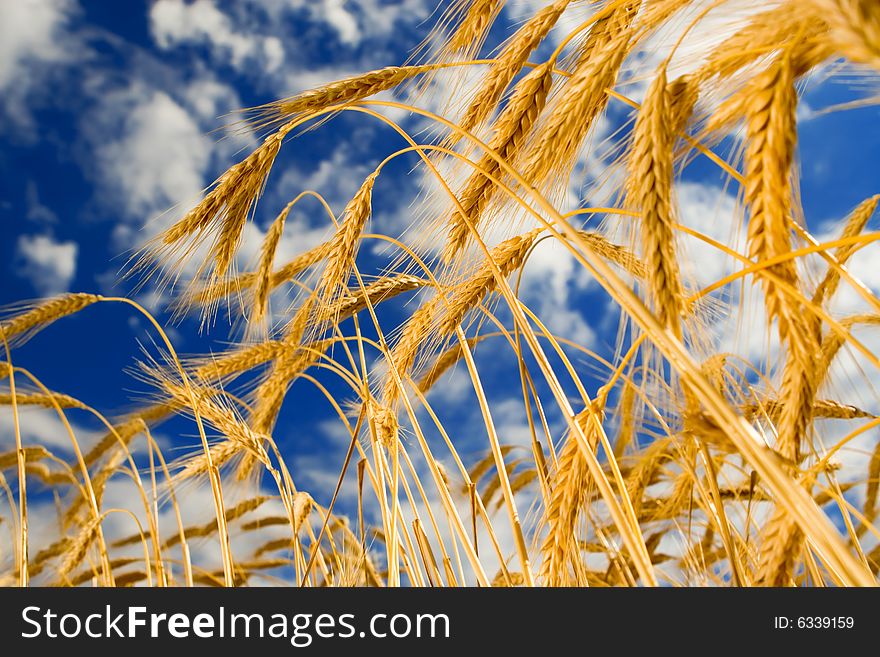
665	460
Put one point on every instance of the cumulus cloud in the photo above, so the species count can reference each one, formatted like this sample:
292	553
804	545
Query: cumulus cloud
336	15
33	37
28	31
160	158
174	23
713	212
41	426
355	21
48	264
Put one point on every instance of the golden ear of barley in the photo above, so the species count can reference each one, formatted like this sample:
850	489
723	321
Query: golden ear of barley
302	507
223	213
678	501
771	138
508	257
764	32
521	481
80	503
403	355
271	546
20	327
209	295
127	430
472	31
619	255
442	364
833	342
494	483
39	399
627	419
510	579
566	499
645	470
507	65
221	453
649	192
855	28
481	467
511	130
797	392
439	317
129	579
209	528
232	190
683	94
344	244
444	475
822	408
779	550
88	574
270	521
30	454
349	90
803	55
42	558
581	100
384	422
51	479
249	441
655	14
356	299
269	395
79	547
236	361
854	226
256	322
713	369
221	417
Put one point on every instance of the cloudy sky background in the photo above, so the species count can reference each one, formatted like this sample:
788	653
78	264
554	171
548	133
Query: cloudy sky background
112	120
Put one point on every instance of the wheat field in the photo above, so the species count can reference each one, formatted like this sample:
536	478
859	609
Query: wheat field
666	458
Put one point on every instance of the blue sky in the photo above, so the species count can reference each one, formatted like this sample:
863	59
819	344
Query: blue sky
111	123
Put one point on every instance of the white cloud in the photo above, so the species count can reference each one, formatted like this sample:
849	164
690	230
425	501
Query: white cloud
174	23
548	280
28	30
336	15
161	156
357	20
41	426
48	264
713	212
32	36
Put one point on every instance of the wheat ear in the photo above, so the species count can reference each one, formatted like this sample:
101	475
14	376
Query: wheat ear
581	100
854	226
570	487
855	28
649	192
511	130
22	326
507	65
